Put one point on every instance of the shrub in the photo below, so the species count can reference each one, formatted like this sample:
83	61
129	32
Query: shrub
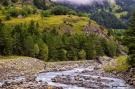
82	54
120	64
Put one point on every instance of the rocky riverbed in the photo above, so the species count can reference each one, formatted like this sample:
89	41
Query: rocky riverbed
83	78
61	75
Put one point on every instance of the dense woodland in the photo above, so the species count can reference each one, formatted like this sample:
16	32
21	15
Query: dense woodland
108	20
29	39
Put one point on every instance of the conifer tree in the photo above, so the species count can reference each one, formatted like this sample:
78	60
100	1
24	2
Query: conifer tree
29	46
36	50
43	51
6	41
130	41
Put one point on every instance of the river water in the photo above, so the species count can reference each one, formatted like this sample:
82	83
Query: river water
109	81
114	84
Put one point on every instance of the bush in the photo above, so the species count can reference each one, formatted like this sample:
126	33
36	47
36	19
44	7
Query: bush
82	54
120	64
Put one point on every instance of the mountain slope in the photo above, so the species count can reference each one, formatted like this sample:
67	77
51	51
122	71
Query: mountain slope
52	32
118	11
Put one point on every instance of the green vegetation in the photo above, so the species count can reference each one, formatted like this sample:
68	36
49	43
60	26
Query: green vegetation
61	10
125	37
118	34
52	21
111	15
30	40
120	64
108	20
52	33
129	41
8	58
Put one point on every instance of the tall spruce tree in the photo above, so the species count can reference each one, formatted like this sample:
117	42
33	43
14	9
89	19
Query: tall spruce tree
130	41
6	41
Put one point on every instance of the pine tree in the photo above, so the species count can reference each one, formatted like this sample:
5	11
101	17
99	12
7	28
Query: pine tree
99	48
90	49
6	41
29	46
43	53
129	40
36	50
19	34
62	55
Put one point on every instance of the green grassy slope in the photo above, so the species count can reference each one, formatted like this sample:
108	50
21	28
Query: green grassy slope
75	23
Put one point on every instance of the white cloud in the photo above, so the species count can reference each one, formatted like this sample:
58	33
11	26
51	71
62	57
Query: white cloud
84	1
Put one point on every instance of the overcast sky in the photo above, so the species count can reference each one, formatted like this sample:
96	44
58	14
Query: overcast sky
83	1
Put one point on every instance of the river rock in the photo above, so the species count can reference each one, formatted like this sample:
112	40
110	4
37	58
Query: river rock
30	78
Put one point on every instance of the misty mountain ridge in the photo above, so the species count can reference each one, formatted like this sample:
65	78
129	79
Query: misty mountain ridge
84	2
105	12
109	13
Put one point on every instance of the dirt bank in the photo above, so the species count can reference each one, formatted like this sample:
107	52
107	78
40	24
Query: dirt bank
20	66
25	66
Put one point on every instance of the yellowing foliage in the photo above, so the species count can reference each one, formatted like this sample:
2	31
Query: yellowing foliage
53	21
119	64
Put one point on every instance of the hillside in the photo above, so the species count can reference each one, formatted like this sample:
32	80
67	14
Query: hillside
53	33
118	10
52	21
